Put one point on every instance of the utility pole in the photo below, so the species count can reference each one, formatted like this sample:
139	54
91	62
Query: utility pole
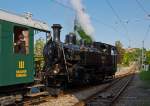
129	43
142	65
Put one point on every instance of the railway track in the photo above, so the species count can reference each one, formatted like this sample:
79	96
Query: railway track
39	100
47	98
36	101
110	94
107	95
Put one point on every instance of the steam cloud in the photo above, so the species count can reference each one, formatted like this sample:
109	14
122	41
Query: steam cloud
83	17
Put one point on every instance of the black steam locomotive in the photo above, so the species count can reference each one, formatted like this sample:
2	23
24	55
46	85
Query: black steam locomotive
71	63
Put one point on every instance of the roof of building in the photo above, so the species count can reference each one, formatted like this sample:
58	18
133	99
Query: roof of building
23	20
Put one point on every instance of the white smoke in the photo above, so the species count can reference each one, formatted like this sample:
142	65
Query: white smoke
83	17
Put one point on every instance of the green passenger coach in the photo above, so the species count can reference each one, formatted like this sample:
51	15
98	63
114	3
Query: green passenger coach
17	47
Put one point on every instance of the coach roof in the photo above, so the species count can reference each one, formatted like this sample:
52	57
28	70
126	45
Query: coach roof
23	20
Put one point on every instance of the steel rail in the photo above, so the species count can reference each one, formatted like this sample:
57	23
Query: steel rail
29	101
118	78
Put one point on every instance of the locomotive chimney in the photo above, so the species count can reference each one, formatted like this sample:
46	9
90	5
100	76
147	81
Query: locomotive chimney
56	32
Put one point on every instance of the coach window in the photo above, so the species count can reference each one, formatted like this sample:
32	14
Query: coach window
21	40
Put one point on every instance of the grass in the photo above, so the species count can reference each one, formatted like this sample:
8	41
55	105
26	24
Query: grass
145	76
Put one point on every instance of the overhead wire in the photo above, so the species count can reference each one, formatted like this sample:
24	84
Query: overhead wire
145	11
93	18
141	6
121	23
104	24
147	33
63	5
118	17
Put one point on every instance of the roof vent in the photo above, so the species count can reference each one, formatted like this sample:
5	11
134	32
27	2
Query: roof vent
28	15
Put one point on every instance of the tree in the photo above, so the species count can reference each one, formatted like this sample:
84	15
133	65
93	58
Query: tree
38	47
118	44
120	50
126	58
130	56
147	57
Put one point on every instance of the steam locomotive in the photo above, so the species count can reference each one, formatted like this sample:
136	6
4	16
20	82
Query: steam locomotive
70	62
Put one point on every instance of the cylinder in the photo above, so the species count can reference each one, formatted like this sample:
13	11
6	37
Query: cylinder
56	32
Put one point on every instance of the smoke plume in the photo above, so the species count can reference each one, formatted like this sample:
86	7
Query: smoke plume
83	17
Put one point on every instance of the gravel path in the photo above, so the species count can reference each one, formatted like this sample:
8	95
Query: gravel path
72	99
136	94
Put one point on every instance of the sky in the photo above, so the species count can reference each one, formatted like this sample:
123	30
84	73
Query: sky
127	22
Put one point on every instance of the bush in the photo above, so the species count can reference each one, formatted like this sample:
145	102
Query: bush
145	76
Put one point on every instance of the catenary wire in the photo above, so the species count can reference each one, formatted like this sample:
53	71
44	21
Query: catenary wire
93	18
118	17
141	6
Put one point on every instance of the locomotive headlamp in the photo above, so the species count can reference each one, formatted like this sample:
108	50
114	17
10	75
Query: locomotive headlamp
56	69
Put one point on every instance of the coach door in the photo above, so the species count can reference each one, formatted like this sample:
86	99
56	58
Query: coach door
23	50
0	36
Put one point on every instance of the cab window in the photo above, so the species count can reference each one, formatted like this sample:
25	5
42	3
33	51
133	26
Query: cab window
21	40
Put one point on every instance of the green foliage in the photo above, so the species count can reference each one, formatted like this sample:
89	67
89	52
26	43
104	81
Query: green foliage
38	47
128	57
147	57
131	56
120	50
145	76
137	53
118	44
